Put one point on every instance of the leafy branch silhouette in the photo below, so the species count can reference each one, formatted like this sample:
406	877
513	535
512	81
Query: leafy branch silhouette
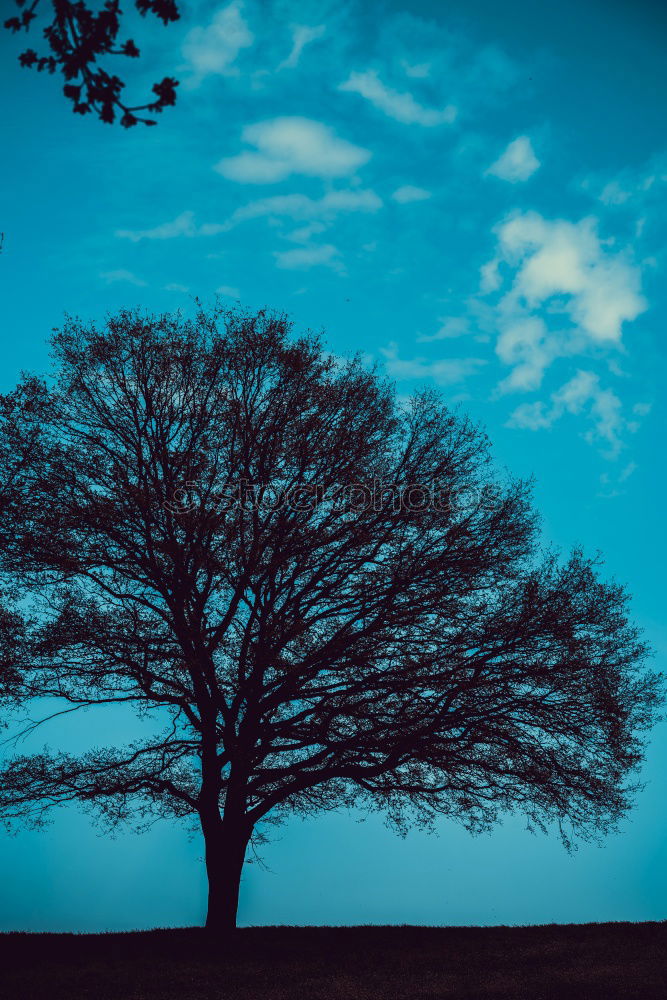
76	36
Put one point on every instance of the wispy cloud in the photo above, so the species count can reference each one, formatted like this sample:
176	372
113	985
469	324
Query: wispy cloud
417	71
583	393
228	291
638	198
633	186
295	207
292	145
182	225
445	371
212	50
612	484
302	258
301	207
517	163
304	234
121	275
449	329
302	35
400	105
409	193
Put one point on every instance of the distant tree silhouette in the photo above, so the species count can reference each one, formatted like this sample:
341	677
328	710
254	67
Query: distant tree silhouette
328	597
76	36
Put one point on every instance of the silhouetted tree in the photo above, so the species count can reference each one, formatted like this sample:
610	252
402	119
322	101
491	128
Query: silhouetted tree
76	36
328	595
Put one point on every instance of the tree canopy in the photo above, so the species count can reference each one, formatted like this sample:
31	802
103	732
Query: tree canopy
324	594
76	36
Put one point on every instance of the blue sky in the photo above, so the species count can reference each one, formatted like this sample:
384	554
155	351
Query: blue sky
474	196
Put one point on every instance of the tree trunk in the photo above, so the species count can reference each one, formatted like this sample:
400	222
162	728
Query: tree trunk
225	851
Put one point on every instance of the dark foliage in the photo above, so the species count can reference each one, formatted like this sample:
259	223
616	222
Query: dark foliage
76	35
424	659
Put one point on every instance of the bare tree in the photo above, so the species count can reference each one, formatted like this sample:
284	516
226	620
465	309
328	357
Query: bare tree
327	596
76	36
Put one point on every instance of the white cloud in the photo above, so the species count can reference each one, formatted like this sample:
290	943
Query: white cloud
292	145
525	344
583	393
567	293
309	256
301	36
398	105
560	258
182	225
559	270
228	291
490	280
517	163
444	372
121	275
212	50
175	287
409	193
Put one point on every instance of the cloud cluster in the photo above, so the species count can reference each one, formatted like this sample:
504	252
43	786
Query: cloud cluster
400	105
291	145
317	214
286	146
564	292
562	273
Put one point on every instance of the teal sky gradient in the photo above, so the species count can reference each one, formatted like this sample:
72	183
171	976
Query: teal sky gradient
475	196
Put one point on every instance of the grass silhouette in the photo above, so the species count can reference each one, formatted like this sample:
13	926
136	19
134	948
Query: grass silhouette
591	961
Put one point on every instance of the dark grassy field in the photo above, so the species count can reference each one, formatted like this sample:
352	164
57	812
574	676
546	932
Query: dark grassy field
600	961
